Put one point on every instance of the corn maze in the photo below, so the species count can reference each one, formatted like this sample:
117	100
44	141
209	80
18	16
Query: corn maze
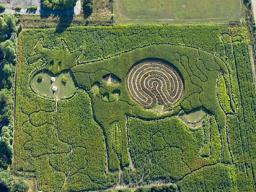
135	109
153	83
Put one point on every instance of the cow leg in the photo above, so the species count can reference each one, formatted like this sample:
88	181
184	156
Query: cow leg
117	144
222	126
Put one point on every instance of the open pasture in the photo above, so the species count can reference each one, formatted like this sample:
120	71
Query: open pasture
177	11
107	134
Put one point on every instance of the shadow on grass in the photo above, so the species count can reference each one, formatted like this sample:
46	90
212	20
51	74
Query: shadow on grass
65	17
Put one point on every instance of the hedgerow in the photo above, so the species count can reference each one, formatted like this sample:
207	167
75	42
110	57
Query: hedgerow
86	139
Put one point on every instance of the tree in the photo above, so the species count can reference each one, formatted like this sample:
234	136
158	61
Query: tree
5	146
87	8
19	186
5	154
247	2
39	79
58	4
7	62
7	51
9	184
5	181
2	8
64	80
5	107
7	26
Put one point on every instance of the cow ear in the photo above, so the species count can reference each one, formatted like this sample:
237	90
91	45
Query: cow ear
111	78
39	45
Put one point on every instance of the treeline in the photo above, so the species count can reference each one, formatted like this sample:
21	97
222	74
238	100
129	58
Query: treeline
7	69
61	5
8	37
58	4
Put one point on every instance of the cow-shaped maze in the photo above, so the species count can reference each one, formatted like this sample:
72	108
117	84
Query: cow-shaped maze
169	78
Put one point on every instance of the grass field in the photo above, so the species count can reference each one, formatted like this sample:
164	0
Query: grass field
43	84
101	137
101	11
177	11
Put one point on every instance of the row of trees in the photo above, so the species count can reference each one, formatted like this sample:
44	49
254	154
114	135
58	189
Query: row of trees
58	4
7	63
8	31
64	10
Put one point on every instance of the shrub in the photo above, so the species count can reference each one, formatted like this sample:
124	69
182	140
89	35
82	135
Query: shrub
7	27
17	9
5	154
87	8
39	79
19	186
9	184
5	181
32	9
64	80
7	51
2	8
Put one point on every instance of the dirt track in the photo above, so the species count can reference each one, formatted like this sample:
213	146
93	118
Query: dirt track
254	9
253	64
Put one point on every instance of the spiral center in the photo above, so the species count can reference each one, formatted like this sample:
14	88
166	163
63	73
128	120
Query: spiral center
154	82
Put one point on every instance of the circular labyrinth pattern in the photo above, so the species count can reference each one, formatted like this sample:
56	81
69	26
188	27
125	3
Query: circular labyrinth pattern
152	83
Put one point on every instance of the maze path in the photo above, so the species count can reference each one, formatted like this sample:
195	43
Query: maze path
153	83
